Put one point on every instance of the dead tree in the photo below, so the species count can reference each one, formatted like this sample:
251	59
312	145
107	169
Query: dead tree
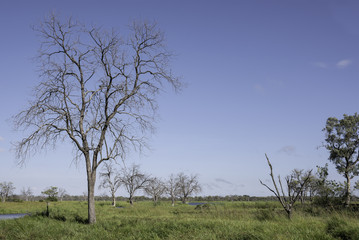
172	188
62	193
110	179
155	188
293	190
97	92
27	194
187	185
6	189
133	180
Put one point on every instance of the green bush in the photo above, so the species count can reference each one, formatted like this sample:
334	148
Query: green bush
51	199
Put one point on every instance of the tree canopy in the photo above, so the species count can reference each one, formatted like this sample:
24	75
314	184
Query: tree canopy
342	142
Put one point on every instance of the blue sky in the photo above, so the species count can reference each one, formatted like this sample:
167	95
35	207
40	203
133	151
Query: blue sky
262	77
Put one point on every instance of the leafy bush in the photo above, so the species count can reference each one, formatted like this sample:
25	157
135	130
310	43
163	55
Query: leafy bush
51	199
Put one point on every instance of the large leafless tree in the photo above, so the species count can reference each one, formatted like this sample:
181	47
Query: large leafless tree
187	185
172	188
133	179
110	179
97	90
155	188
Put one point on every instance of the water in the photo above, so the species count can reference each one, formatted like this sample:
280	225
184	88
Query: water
12	216
195	203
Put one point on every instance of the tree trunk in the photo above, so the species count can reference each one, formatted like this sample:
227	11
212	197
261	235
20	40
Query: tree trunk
131	201
347	191
91	179
113	200
289	213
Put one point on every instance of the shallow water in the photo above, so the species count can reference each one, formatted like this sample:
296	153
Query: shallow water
12	216
195	203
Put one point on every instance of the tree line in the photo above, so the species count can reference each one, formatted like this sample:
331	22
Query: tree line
133	179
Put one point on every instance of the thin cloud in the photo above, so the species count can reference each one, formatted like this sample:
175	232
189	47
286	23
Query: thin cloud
258	88
211	186
223	181
1	138
289	150
235	186
343	63
2	150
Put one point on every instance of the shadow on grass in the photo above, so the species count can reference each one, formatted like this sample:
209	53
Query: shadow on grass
62	217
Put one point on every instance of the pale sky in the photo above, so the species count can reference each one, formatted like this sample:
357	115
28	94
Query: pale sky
262	77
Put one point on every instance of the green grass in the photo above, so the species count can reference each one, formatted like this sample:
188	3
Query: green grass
223	220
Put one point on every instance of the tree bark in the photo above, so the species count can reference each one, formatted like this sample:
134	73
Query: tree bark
113	200
91	179
347	190
289	213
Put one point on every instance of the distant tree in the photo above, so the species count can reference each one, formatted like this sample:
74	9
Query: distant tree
98	91
6	189
312	187
187	185
155	188
294	189
172	188
62	193
133	179
342	141
27	194
110	179
84	195
51	193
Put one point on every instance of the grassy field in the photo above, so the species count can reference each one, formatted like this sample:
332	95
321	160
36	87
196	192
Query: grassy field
220	220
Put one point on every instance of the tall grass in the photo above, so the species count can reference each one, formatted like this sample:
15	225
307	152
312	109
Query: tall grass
221	220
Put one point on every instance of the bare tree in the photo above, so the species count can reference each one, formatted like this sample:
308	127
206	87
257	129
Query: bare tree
27	194
155	188
6	189
172	188
97	91
110	179
133	179
62	193
187	185
294	189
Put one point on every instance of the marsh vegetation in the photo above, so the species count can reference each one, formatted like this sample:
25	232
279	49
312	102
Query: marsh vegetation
145	220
